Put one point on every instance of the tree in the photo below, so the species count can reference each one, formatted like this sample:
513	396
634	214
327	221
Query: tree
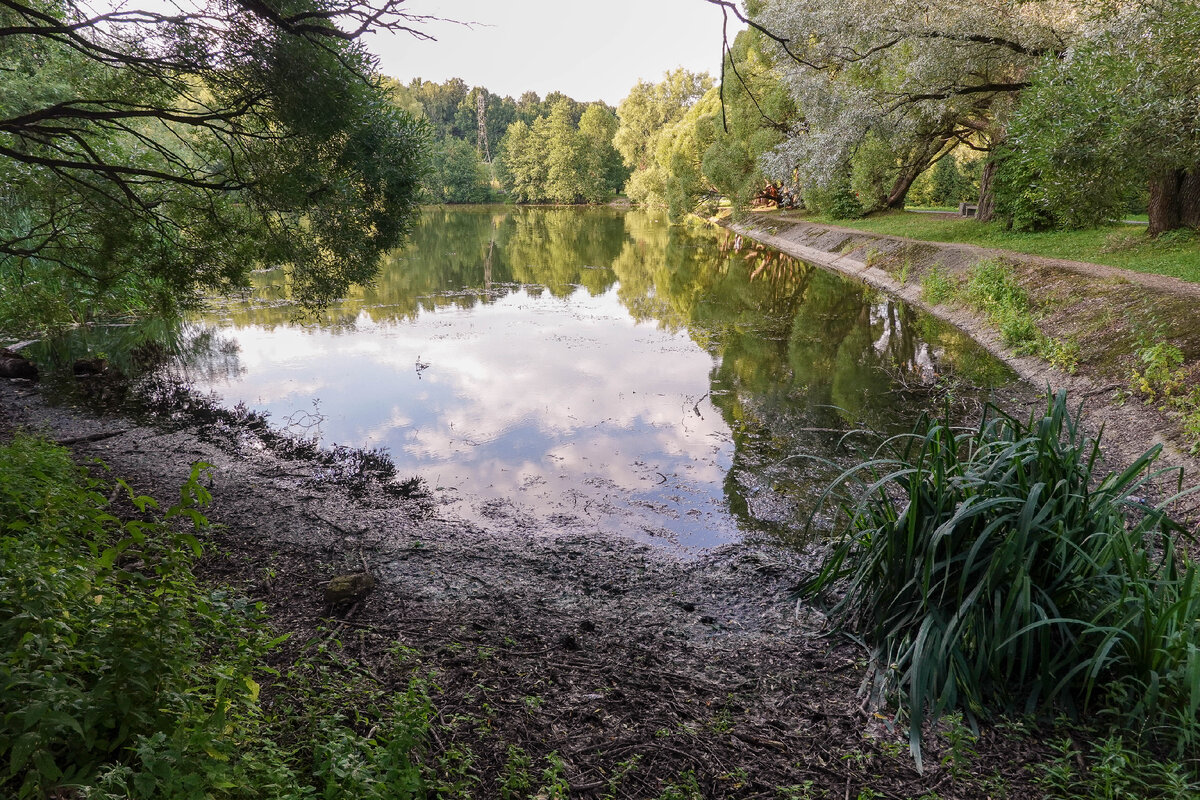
918	79
756	113
602	172
442	103
646	111
564	154
145	150
554	160
649	107
456	173
521	165
1119	110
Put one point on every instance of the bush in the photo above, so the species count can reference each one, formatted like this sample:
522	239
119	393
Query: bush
998	569
120	675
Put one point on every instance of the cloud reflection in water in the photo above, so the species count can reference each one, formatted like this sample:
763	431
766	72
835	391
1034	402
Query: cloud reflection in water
554	412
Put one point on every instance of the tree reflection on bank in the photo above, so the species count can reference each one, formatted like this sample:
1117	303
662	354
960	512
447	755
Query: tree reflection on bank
795	356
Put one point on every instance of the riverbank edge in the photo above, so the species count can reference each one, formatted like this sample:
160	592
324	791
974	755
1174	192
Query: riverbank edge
1129	427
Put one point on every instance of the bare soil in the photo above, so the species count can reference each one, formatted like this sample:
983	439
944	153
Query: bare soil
608	652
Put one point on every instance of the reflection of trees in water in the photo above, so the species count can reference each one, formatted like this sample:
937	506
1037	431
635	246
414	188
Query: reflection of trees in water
801	354
164	345
202	354
798	352
459	258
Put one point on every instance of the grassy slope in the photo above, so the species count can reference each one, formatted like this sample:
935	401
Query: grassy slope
1124	246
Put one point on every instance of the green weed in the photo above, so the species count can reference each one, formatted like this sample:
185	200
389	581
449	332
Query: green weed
938	287
127	679
1163	378
686	788
1112	771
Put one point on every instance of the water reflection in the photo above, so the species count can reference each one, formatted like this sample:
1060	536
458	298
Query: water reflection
593	369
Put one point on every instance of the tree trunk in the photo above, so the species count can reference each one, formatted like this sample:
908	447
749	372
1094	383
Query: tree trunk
1189	199
904	182
1164	206
923	155
986	211
1174	200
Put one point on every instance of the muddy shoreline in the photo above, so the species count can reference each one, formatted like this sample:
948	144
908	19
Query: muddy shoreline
604	651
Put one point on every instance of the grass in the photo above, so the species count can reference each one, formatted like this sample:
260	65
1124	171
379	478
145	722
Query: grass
992	289
1163	379
1128	247
1000	570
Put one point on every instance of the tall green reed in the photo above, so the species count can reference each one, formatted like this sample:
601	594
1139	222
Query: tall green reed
1000	569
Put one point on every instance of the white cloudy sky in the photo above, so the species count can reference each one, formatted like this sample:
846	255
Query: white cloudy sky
593	50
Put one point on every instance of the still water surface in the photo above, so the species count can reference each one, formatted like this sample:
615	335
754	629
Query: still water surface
593	370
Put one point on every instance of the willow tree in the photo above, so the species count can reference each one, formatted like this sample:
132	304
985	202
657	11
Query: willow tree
648	110
914	79
159	150
1121	109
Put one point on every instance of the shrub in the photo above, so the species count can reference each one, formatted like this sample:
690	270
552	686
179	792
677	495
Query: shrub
998	569
122	676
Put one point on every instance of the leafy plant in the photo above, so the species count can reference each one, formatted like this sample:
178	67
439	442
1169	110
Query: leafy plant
124	677
1112	771
937	286
999	569
1160	376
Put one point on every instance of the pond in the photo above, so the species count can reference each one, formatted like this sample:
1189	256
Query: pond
569	369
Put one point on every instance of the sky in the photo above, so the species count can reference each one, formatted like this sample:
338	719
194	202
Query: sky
590	50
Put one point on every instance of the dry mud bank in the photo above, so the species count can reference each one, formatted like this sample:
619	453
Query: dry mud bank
1103	309
635	665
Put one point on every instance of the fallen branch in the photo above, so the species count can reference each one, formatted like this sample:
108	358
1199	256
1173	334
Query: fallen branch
91	437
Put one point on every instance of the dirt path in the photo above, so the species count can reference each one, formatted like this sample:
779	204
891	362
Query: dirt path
621	658
1103	309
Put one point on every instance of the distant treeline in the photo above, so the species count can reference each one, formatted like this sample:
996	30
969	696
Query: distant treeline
532	149
1047	114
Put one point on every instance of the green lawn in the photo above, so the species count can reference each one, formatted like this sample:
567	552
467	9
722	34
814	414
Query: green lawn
1126	246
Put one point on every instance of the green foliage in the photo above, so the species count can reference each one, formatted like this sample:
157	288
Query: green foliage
1113	770
456	174
517	782
993	289
872	173
112	643
123	676
602	171
686	788
1117	113
838	200
1161	375
645	114
1163	378
222	142
947	184
998	569
741	121
938	286
557	160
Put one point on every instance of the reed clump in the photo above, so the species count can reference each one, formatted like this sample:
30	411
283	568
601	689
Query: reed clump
1000	569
